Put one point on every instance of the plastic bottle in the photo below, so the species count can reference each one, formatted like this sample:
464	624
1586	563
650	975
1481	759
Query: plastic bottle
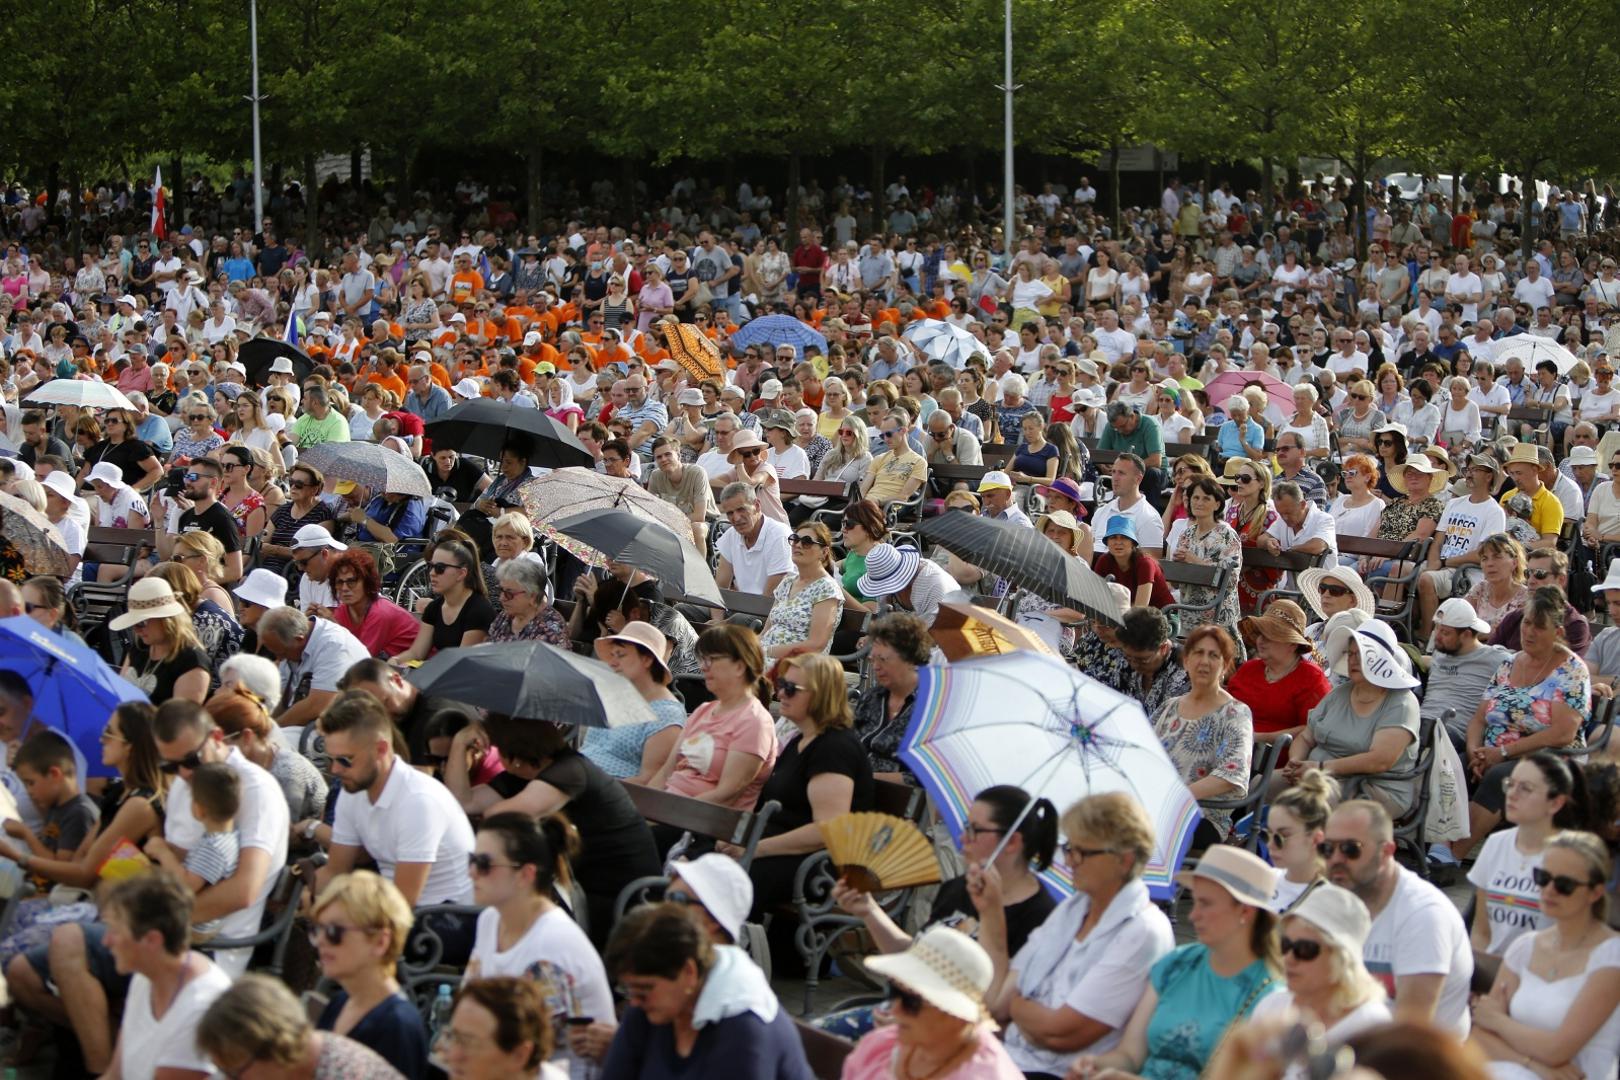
438	1024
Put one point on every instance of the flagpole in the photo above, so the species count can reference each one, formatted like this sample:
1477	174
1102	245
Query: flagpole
258	161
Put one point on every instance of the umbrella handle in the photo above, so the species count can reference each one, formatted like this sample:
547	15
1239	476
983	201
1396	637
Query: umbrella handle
1011	830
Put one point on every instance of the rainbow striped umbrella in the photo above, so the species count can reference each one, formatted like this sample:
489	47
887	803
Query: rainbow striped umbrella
1028	719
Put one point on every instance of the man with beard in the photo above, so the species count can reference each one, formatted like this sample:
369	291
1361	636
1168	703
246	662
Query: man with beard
407	822
202	511
1461	667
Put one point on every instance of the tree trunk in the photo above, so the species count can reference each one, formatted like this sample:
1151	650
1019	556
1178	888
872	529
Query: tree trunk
177	205
357	164
1527	178
312	210
1113	186
1268	183
76	208
53	184
792	207
880	160
1358	201
533	187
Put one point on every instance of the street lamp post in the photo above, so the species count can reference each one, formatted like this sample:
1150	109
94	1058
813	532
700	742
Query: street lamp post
258	160
1007	88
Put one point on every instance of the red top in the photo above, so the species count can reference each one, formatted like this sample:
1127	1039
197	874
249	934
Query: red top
1280	705
1144	569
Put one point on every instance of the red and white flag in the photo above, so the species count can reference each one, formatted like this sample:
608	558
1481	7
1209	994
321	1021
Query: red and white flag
160	217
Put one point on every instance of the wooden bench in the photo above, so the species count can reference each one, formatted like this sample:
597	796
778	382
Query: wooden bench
722	823
129	537
826	489
823	1050
1401	611
996	456
1291	562
943	477
1181	573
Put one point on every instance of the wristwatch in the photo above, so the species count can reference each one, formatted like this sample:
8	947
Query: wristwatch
309	830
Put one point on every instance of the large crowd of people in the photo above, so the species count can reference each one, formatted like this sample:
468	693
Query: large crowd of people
1354	518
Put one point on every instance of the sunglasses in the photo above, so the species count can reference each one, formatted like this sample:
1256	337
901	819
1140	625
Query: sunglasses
1563	883
1246	478
908	1001
343	761
332	933
1541	575
345	583
805	541
441	567
1303	950
786	689
1328	589
1360	397
1274	837
1350	849
190	761
481	863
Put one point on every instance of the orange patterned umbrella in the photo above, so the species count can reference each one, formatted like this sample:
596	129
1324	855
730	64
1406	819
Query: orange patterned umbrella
963	631
698	356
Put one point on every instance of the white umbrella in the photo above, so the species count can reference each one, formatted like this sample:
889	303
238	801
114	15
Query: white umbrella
939	340
1531	350
85	393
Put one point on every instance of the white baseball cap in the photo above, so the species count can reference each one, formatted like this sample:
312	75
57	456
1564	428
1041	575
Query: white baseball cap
771	390
531	339
128	299
422	356
1459	614
264	587
721	886
108	474
238	367
689	396
315	536
458	317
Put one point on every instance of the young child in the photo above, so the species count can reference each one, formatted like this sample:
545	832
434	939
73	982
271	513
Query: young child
216	796
45	767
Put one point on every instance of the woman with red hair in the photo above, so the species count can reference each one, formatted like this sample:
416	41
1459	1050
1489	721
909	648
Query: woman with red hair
383	627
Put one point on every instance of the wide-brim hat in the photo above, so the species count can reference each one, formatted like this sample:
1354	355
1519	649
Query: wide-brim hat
888	570
944	967
744	440
1612	581
1486	461
1062	519
1422	463
1310	587
645	636
1244	875
62	484
1440	457
1233	466
107	473
149	598
1383	662
1063	486
1282	620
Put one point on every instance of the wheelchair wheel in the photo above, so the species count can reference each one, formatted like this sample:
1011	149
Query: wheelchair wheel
413	585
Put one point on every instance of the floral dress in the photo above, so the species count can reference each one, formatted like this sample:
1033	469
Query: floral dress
1219	743
1010	421
1517	712
243	510
1400	519
815	450
1255	580
191	448
1101	661
547	626
1494	613
1221	547
791	615
420	311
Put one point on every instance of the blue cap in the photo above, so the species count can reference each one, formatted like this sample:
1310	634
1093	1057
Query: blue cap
1121	525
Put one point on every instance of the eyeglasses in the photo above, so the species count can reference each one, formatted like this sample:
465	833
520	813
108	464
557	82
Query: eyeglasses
511	594
908	1001
1070	851
1563	883
786	689
442	567
1303	950
1275	837
805	541
481	863
972	832
345	583
1350	849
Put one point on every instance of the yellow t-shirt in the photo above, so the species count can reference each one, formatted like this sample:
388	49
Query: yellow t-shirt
1546	512
891	472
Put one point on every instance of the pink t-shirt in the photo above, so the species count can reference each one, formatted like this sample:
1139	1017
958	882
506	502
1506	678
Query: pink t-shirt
388	629
710	736
874	1057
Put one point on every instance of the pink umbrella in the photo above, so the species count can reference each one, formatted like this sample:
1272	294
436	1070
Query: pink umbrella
1228	383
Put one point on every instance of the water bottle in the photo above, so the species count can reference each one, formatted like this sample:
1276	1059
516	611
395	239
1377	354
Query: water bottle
438	1024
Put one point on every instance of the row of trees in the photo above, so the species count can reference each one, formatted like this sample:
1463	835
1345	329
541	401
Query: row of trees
1527	86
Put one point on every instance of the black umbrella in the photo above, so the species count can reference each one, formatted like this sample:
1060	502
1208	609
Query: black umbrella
259	353
535	681
1025	558
482	427
646	545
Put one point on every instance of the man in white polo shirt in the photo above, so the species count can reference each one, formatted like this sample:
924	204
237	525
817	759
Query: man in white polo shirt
313	654
754	554
314	548
408	822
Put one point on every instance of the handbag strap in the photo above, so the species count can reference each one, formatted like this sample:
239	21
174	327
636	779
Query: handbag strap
1255	993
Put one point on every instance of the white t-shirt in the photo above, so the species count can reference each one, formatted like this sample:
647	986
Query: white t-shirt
1569	493
1149	525
1341	364
713	462
1536	294
789	464
1420	932
414	820
555	953
148	1044
1356	520
1319	525
1465	524
311	591
1175	427
1497	397
1287	280
1466	285
1115	344
1606	505
262	823
330	651
1594	404
753	567
1512	900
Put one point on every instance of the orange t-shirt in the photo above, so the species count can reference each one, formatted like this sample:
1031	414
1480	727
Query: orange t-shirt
439	375
545	353
483	328
446	337
387	382
465	286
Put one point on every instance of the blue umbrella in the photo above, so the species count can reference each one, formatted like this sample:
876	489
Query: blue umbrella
774	330
74	689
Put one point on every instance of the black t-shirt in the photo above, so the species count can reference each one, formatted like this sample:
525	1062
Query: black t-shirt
834	751
464	477
476	614
157	677
53	445
127	455
414	725
616	844
216	521
953	908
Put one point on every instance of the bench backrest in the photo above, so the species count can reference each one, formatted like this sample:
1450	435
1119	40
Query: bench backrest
692	815
1181	573
821	488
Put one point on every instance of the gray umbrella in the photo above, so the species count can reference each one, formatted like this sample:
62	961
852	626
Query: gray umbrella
536	681
1026	558
373	467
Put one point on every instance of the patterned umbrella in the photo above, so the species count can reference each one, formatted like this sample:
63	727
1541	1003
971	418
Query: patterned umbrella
939	340
966	631
1026	559
85	393
776	330
37	541
688	347
568	493
1228	383
1034	721
374	468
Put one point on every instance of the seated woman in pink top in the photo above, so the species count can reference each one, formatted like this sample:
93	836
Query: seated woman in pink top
728	748
383	627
